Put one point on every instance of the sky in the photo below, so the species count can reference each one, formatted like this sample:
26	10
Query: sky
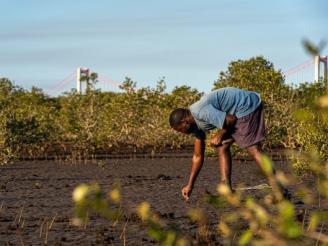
187	42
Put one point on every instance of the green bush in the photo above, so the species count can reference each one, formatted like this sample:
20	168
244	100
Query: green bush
312	131
34	125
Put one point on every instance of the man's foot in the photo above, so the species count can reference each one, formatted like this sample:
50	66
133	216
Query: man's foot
286	194
290	197
224	182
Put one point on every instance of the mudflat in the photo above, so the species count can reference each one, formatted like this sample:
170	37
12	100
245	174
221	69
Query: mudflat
36	205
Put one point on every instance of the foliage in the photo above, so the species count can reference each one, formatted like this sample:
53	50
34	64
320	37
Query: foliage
312	115
311	134
25	120
271	221
309	93
77	126
7	89
255	74
90	198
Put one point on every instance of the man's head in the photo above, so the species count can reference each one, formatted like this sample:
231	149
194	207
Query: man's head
181	120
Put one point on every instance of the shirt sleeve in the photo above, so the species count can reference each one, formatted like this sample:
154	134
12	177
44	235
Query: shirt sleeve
197	133
213	116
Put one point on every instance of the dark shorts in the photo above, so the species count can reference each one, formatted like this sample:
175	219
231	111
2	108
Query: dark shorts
250	129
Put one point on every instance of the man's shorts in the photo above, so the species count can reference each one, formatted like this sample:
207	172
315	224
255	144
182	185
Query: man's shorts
250	129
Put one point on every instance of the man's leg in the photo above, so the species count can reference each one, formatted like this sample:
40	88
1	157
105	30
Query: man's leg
256	151
225	164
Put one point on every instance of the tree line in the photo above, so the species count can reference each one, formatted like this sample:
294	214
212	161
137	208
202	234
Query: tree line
36	125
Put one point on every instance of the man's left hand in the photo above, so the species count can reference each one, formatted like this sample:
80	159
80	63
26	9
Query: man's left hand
216	140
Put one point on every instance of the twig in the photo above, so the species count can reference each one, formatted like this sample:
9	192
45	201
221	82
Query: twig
319	196
23	223
41	227
46	238
20	238
304	217
233	238
52	222
123	232
86	220
319	235
20	214
14	222
256	187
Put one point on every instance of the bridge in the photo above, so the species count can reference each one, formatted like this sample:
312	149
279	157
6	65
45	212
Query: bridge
73	80
310	70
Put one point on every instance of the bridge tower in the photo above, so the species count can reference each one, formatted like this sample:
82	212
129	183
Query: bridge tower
79	73
318	60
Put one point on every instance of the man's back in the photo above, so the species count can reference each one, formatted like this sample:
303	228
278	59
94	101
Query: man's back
213	107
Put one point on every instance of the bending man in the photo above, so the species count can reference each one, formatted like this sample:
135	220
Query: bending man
238	114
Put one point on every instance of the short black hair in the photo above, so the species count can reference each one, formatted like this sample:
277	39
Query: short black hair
177	116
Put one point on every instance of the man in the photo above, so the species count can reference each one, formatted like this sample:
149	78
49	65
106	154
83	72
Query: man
238	114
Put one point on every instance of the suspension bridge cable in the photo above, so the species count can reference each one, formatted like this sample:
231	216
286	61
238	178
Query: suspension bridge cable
108	80
298	67
60	84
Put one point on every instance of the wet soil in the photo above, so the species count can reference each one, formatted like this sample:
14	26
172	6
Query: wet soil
36	205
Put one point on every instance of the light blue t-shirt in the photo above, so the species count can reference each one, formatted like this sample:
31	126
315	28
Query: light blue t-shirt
210	111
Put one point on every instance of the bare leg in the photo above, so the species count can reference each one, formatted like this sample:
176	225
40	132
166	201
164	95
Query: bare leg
225	164
256	151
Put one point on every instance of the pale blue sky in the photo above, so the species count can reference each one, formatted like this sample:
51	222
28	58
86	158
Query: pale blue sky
188	42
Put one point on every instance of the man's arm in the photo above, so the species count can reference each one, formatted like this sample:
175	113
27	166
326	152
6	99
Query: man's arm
228	125
197	163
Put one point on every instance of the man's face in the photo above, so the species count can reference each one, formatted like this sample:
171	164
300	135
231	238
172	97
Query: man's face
185	127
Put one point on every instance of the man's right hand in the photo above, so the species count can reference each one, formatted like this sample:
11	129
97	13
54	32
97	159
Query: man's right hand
186	192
